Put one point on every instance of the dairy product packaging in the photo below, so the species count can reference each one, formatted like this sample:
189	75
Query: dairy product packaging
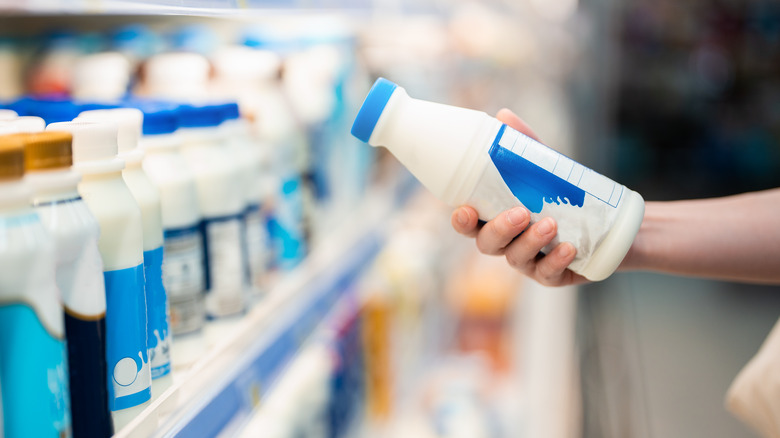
466	157
79	275
33	357
121	248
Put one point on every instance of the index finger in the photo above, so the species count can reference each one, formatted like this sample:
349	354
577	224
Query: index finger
507	116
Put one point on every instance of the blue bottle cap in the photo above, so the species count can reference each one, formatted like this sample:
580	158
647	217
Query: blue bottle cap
200	116
160	116
372	108
230	111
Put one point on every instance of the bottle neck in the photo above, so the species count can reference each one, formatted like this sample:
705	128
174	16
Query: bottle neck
14	196
53	185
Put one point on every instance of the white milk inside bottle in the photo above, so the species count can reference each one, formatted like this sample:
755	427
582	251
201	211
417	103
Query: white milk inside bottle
466	157
121	247
183	266
33	358
129	122
79	276
222	203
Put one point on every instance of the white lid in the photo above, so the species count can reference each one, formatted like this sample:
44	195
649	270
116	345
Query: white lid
25	124
245	63
6	114
92	141
182	76
129	123
101	76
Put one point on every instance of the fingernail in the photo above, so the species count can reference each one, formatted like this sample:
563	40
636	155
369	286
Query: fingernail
545	226
516	216
462	217
567	250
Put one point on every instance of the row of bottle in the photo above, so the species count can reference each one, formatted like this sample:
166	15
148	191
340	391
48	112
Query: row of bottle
182	227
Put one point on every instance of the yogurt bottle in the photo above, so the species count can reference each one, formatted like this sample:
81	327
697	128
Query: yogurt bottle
146	194
222	203
466	157
183	253
33	357
121	247
79	276
250	159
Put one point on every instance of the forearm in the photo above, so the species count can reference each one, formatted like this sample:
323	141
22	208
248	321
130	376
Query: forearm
733	238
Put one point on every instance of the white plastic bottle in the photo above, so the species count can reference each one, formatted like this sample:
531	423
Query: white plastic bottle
222	203
33	362
146	194
121	247
466	157
24	124
250	158
75	232
183	268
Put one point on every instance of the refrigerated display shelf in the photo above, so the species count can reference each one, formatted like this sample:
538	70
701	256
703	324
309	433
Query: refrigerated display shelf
222	388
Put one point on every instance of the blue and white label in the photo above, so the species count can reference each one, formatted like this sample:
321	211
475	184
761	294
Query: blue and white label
225	265
286	225
130	376
184	278
537	174
34	373
157	314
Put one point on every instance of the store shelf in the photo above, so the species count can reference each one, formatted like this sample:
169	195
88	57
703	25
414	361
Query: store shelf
220	391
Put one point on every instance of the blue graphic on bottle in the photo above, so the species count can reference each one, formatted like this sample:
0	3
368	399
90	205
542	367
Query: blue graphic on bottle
157	314
538	175
286	226
130	377
34	373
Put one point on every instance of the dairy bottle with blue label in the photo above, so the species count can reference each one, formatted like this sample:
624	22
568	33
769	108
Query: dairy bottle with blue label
75	232
183	266
121	247
146	194
466	157
222	204
250	160
33	357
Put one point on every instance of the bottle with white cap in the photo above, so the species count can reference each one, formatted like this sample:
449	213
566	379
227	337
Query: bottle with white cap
33	358
180	76
121	247
25	124
146	194
183	266
466	157
7	114
101	77
79	275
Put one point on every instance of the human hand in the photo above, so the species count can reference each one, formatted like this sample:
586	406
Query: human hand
502	235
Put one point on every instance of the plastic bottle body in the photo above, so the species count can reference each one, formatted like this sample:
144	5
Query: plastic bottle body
221	202
147	196
466	157
33	358
183	253
121	247
79	276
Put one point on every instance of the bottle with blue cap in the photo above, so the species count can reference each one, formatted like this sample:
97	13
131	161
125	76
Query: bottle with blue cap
121	247
466	157
79	275
146	194
222	204
183	253
33	358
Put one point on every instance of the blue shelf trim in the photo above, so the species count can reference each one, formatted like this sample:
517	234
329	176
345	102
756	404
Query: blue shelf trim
238	396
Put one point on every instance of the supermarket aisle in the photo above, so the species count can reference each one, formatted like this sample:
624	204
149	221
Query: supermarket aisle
659	352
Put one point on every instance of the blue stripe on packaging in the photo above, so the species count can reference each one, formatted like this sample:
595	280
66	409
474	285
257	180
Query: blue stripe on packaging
34	373
129	379
157	314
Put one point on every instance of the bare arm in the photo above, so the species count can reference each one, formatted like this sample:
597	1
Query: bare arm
731	238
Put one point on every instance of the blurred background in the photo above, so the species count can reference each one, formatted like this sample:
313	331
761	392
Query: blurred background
675	100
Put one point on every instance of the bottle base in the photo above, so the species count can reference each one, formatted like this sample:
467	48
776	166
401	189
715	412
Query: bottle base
615	246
